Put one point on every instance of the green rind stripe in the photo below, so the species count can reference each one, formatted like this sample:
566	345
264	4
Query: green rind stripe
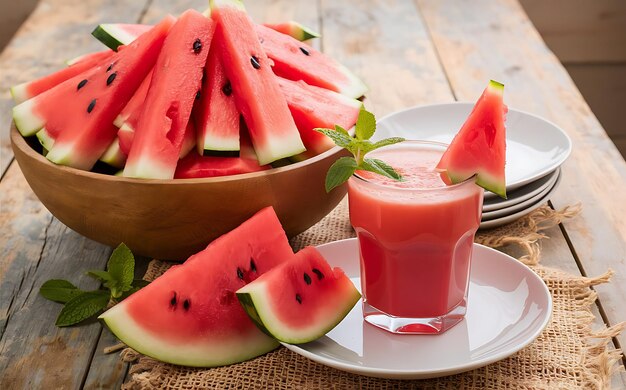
108	39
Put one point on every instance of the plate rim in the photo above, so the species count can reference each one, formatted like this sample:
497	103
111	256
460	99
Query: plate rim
526	196
424	374
520	183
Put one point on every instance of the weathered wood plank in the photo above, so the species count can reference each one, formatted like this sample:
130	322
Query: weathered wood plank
56	31
487	39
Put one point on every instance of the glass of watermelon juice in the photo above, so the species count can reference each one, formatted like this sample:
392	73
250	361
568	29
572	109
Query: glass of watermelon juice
415	240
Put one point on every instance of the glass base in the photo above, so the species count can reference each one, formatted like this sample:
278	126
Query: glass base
403	325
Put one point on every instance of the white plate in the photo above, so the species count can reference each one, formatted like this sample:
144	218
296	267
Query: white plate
521	194
535	146
492	223
522	205
508	307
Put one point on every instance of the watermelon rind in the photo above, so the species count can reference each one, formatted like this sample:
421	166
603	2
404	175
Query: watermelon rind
112	36
114	155
45	139
193	354
254	298
19	93
27	122
294	29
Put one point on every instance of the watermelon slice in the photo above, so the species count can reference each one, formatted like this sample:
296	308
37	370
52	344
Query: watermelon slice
294	30
195	165
217	116
114	156
299	300
313	107
79	112
479	148
176	80
190	315
296	60
257	94
114	35
95	58
131	111
126	135
28	90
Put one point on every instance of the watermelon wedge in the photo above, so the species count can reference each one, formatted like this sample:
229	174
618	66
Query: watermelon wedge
299	300
190	315
163	122
95	58
313	107
479	148
114	35
294	30
126	135
79	112
194	165
114	156
217	116
28	90
257	94
131	111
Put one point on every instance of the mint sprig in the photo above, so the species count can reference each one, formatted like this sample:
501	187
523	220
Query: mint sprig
80	305
359	146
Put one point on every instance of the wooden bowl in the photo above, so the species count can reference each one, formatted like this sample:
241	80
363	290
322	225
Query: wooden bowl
172	219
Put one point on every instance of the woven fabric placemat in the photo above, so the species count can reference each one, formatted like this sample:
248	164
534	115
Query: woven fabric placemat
567	355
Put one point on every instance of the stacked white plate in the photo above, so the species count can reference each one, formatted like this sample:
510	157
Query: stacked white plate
536	148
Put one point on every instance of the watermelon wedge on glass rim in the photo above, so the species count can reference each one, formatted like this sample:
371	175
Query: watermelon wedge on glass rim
190	315
255	88
479	148
176	80
79	112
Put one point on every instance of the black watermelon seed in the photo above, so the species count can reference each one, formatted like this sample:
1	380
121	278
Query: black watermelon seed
173	300
197	45
91	106
110	67
239	273
227	89
252	265
111	77
255	62
305	51
307	278
261	40
186	304
319	273
198	94
299	298
81	84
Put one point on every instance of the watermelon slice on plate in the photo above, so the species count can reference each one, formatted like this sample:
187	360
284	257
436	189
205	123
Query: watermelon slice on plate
479	148
257	94
299	300
176	80
190	315
28	90
79	112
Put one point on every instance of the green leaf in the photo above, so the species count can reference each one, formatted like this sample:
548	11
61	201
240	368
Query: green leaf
103	276
380	167
121	267
387	141
342	130
365	125
339	138
82	307
339	172
58	290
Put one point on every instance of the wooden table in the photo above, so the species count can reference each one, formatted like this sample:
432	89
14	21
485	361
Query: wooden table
408	52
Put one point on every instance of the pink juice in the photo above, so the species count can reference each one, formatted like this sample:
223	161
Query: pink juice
415	236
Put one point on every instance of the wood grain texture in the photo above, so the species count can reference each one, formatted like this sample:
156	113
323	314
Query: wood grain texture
485	39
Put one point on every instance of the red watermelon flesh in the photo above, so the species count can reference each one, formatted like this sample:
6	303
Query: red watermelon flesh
81	110
313	107
31	89
479	148
190	315
95	58
296	60
293	29
301	299
194	166
131	111
218	118
257	94
176	80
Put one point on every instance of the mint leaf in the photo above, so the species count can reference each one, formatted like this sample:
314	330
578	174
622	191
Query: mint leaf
365	125
339	172
103	276
387	141
121	268
342	130
82	307
380	167
340	138
58	290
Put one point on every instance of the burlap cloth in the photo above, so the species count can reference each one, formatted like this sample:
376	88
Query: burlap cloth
567	355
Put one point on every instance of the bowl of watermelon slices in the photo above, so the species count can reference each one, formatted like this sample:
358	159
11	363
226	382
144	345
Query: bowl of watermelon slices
181	131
